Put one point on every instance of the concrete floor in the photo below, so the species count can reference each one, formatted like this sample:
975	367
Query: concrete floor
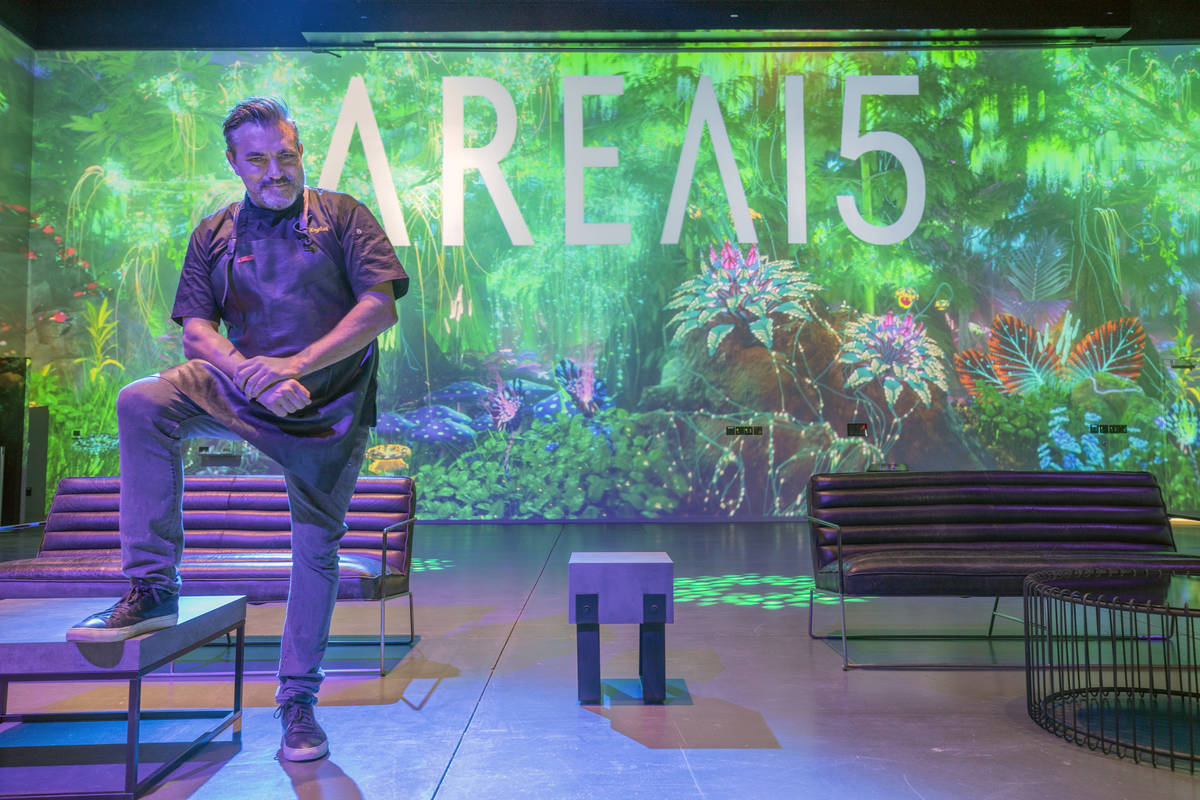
483	705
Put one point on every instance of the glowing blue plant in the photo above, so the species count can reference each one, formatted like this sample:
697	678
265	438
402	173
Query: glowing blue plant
1064	451
95	444
1181	422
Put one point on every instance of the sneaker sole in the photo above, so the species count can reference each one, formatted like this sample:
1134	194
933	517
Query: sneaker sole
304	753
121	634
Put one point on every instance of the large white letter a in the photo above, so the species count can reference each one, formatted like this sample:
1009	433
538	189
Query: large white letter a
357	112
707	111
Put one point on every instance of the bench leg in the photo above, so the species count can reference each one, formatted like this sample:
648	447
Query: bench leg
992	621
412	629
996	613
845	645
840	635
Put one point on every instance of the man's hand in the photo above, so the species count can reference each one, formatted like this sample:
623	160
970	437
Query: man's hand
285	397
256	375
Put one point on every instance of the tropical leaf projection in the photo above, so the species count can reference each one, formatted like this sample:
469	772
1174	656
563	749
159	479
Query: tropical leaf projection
975	371
1115	347
1038	270
735	290
1022	361
1019	360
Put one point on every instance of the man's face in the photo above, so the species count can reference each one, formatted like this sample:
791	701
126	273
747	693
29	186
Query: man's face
267	159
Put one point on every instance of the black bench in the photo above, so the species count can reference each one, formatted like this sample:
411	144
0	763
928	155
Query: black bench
978	534
237	541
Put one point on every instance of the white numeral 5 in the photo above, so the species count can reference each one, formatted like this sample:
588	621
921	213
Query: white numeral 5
854	144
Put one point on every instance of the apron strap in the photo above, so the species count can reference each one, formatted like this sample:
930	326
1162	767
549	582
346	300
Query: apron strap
300	226
231	251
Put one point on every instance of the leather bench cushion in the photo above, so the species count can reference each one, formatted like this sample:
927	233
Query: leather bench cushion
231	512
922	571
260	575
1116	512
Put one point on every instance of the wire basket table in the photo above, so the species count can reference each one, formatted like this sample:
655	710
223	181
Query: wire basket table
1113	661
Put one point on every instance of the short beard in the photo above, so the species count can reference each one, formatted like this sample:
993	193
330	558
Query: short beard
284	204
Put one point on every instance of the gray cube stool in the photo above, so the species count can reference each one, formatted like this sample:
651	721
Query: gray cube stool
606	588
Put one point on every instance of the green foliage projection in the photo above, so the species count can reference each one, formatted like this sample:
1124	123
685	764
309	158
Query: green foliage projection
1005	430
570	467
1058	259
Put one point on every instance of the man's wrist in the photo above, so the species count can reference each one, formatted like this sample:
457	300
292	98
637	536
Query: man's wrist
301	363
230	364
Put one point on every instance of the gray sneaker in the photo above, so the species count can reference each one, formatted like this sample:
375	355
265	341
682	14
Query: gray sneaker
303	739
142	609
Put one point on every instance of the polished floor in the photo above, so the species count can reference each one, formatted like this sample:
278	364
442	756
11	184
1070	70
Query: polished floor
483	705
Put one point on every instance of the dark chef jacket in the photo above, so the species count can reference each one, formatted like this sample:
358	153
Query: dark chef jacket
281	290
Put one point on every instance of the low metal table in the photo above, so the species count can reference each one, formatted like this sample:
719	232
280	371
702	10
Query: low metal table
33	647
1113	661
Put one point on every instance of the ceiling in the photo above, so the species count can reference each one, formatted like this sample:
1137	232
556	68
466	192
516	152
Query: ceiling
309	24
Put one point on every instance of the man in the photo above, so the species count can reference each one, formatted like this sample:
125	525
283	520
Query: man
303	280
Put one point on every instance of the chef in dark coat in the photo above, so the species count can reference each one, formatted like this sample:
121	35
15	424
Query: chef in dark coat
303	281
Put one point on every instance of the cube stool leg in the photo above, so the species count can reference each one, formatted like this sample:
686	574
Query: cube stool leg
587	647
652	648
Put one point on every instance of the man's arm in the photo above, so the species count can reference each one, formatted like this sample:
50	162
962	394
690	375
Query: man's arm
374	313
202	339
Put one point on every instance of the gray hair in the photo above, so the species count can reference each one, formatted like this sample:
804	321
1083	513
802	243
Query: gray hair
264	111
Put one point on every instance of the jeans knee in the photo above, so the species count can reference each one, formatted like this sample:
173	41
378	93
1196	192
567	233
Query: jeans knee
139	401
318	565
318	556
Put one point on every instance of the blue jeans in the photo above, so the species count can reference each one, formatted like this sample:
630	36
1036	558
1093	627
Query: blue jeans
154	418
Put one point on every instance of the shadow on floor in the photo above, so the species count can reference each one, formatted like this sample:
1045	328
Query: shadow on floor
320	780
683	720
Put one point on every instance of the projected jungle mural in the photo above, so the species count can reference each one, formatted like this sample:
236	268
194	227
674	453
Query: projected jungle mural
671	285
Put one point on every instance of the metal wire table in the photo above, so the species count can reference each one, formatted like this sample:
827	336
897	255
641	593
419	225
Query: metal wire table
1113	661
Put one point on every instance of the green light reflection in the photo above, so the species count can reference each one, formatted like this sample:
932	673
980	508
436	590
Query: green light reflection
431	564
770	591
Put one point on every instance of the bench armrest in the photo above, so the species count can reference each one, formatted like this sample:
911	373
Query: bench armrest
20	526
384	534
823	523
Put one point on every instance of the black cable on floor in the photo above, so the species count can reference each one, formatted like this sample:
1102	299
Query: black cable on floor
492	671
